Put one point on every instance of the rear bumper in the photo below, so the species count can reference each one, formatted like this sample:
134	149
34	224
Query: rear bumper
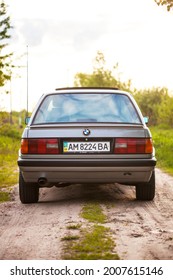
86	163
87	171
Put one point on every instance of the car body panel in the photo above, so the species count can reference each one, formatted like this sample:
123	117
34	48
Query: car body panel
87	167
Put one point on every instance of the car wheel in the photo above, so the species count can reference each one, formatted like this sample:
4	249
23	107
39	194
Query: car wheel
28	192
146	191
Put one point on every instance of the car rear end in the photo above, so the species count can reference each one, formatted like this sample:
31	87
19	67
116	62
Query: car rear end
86	136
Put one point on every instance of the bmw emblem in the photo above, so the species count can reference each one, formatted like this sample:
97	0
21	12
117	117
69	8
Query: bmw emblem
86	132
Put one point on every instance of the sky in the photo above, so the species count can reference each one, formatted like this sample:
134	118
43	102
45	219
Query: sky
62	38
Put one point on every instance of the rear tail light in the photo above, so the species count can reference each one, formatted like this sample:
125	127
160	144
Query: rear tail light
133	146
40	146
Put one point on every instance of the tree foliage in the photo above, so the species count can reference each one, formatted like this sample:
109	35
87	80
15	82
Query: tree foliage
151	101
5	27
168	3
101	77
165	112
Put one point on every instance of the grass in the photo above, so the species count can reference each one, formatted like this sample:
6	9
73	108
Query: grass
163	142
8	161
70	237
9	146
93	213
4	196
95	242
74	227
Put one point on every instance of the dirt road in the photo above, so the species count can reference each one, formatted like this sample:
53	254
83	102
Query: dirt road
142	230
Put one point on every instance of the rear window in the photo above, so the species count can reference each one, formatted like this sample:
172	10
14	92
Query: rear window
86	107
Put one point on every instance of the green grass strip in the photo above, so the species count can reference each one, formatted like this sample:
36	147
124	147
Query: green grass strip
95	245
93	213
95	241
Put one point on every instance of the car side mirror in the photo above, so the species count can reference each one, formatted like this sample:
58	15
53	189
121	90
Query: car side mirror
146	119
27	119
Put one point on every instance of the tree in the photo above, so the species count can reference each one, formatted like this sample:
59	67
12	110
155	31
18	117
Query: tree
101	77
168	3
151	101
5	58
166	111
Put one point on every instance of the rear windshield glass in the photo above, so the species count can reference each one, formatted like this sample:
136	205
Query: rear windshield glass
90	107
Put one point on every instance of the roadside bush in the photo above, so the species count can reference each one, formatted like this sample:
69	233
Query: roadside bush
151	101
10	130
163	142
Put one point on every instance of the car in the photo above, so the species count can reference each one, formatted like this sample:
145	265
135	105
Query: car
86	135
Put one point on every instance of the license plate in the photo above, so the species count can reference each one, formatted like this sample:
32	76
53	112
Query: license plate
86	147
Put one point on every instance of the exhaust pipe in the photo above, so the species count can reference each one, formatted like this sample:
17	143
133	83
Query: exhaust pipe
42	181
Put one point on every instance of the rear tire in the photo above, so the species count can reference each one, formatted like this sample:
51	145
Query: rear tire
28	192
146	191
